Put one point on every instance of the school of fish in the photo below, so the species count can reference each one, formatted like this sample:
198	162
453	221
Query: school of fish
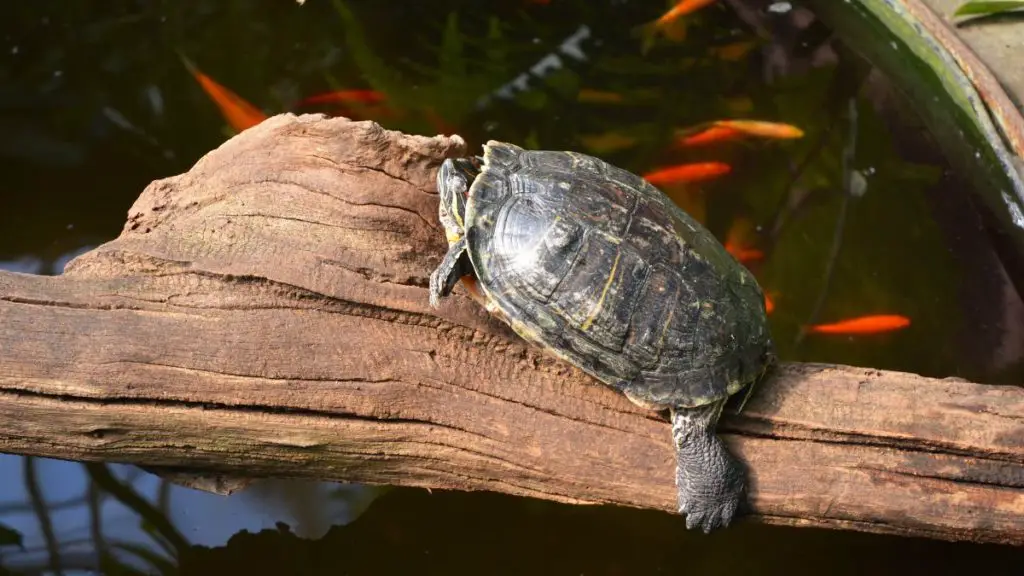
240	115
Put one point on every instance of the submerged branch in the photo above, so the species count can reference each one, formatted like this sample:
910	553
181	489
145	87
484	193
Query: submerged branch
35	494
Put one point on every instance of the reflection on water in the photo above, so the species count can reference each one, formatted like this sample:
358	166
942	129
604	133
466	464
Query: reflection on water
858	217
310	508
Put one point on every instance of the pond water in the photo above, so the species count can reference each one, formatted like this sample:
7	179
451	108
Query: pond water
859	217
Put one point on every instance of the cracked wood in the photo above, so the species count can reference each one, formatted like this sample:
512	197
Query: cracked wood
265	314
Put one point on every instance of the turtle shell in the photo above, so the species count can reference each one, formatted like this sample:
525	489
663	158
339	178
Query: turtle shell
601	268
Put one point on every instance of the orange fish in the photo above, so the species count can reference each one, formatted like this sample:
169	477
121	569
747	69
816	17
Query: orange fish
725	130
345	97
669	24
711	135
239	113
744	255
762	128
875	324
696	172
681	9
769	305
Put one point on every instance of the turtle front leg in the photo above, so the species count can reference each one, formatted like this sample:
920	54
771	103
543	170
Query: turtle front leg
447	274
710	480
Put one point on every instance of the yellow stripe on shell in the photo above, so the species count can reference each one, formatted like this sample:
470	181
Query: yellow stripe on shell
604	293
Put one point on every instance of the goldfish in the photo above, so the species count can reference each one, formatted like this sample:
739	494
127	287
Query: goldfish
762	128
345	97
669	23
696	172
874	324
725	130
709	136
744	255
239	113
769	304
681	9
356	104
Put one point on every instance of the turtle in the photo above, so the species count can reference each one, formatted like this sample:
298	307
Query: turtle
596	266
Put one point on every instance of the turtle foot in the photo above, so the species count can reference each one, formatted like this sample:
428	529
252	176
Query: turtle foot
447	274
705	511
711	482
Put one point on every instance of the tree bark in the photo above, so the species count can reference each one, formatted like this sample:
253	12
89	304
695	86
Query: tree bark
265	314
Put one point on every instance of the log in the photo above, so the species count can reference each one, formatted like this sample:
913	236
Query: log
265	315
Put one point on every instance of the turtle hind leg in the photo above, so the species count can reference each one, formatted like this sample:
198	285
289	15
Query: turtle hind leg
710	480
455	265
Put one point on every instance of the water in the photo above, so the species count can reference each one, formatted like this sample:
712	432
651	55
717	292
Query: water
95	102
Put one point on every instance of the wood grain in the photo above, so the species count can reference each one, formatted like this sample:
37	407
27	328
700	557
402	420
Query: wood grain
265	314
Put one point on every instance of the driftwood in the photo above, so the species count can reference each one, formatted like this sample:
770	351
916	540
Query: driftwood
265	314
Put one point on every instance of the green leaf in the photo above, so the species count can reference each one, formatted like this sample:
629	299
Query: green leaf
452	63
984	8
496	51
377	73
10	537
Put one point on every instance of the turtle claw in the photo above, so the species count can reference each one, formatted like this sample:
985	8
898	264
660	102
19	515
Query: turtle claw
709	501
710	515
446	275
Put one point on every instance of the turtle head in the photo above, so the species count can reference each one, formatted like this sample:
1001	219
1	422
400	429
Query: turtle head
453	182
